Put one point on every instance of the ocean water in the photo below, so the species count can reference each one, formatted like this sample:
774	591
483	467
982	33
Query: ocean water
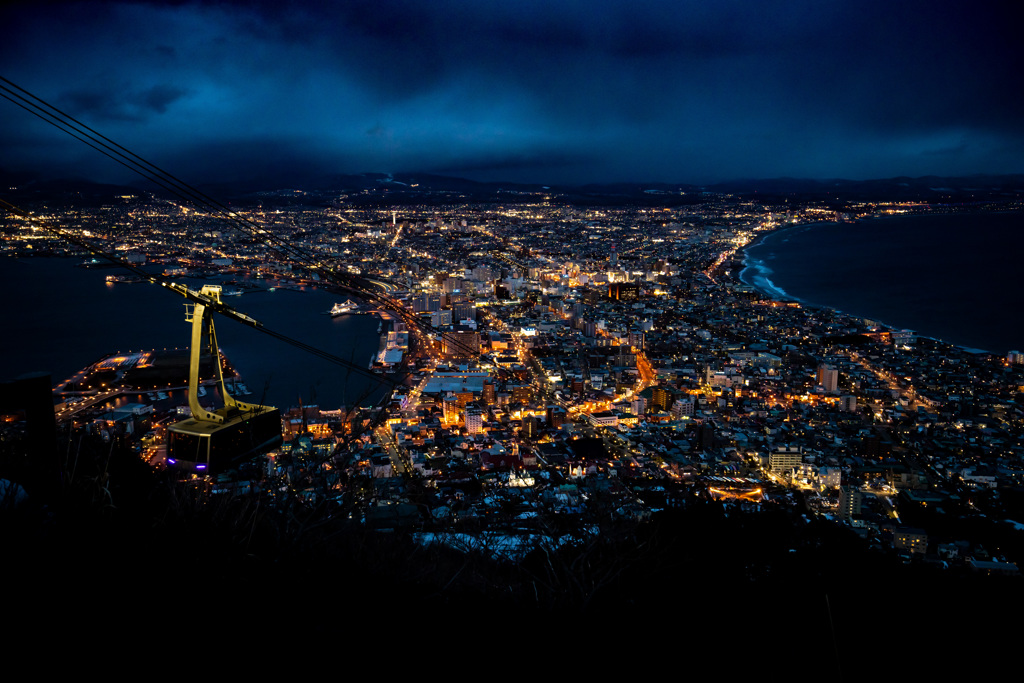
60	318
955	277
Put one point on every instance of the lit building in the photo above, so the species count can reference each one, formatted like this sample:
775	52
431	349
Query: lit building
828	378
636	339
638	406
463	310
441	318
556	416
785	459
682	407
850	498
474	420
531	426
663	397
462	343
624	291
913	540
522	394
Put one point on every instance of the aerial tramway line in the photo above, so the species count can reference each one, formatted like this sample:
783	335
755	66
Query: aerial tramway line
199	436
210	440
285	249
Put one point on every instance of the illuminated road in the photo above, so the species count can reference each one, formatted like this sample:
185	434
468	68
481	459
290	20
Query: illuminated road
907	392
68	409
386	286
398	463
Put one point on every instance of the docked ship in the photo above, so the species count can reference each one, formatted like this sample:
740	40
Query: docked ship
344	309
124	278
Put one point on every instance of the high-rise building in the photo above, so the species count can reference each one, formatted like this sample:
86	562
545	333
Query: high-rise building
464	310
531	426
474	420
427	302
683	406
462	343
828	378
705	436
663	397
522	393
441	318
638	406
624	291
850	498
556	416
636	339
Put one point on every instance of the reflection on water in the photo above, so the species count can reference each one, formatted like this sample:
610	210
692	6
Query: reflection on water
74	317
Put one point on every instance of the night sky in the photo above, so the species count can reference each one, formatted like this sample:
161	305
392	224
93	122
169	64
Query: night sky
551	92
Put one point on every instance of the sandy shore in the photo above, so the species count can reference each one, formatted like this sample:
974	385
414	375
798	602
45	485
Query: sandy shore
753	267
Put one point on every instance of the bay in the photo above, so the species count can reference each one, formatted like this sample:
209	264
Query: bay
953	276
61	318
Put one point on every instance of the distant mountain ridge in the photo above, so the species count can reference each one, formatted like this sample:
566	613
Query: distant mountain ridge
409	188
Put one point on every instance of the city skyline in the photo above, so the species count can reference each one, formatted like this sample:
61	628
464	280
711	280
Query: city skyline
574	94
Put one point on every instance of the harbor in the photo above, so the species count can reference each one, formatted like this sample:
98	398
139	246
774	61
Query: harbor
103	318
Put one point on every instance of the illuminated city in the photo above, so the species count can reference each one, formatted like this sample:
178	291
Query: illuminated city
564	324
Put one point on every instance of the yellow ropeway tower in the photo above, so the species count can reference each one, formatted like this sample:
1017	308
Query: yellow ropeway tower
212	441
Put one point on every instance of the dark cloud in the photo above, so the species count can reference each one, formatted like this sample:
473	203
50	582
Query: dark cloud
517	165
107	104
603	90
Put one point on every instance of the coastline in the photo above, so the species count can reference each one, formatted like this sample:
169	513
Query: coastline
70	302
762	283
757	273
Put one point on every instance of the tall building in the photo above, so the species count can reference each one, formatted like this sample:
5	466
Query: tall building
639	405
850	498
785	459
705	436
624	291
441	318
556	416
450	408
636	339
462	343
683	406
464	310
531	426
522	393
474	420
828	378
663	397
427	302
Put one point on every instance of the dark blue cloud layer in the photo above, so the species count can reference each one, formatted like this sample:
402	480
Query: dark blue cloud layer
539	91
